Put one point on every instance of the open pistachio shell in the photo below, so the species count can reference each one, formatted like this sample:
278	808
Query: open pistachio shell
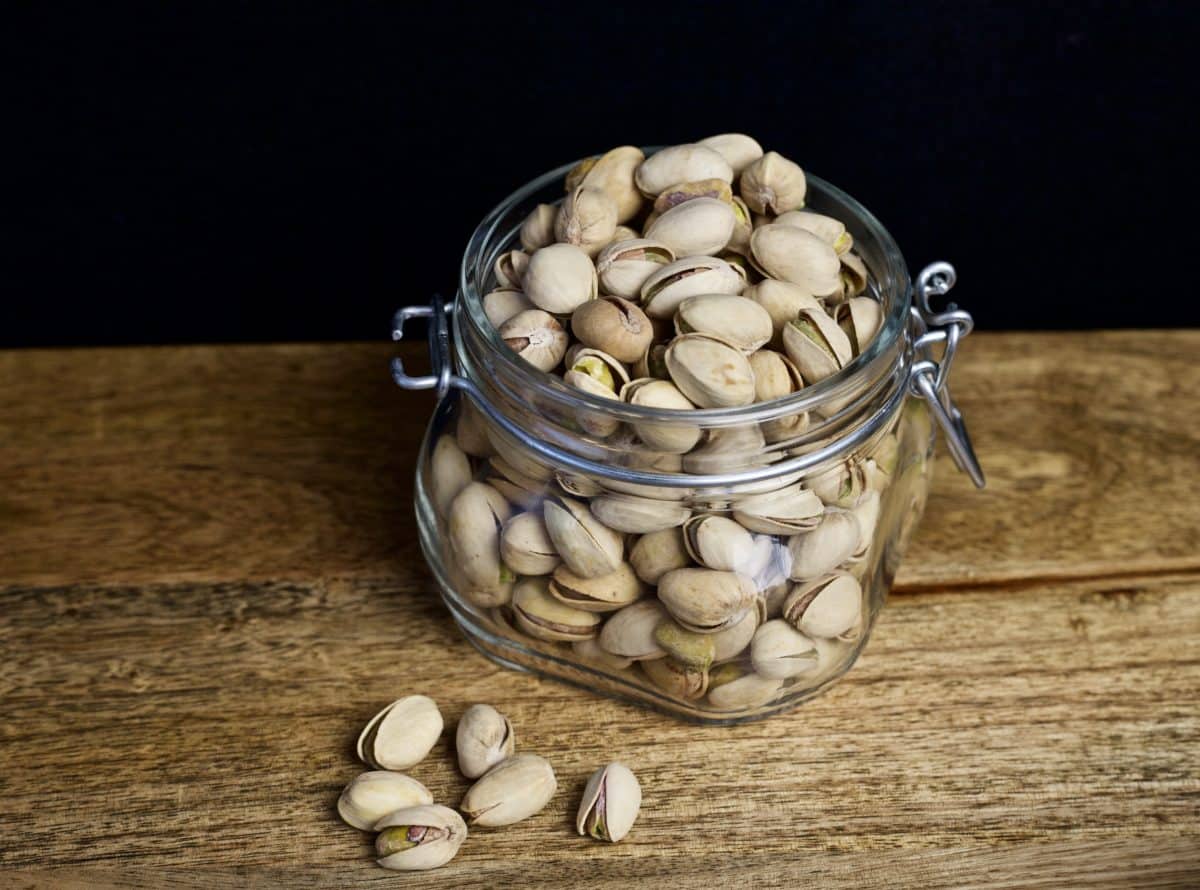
610	805
560	278
657	553
419	838
738	149
624	266
700	227
606	593
664	290
638	515
677	194
782	300
473	529
538	229
826	607
785	511
672	437
629	633
796	255
401	734
677	680
718	543
711	372
704	600
779	651
860	318
842	485
816	344
831	231
509	268
373	795
513	790
773	184
826	547
680	163
540	615
612	173
587	546
853	275
737	320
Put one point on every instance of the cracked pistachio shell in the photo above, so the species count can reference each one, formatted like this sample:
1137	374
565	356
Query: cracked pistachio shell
401	734
826	607
612	173
610	805
738	149
538	229
473	530
419	838
732	641
711	372
471	431
677	194
607	593
831	231
776	376
629	633
860	319
773	184
484	737
638	515
513	790
590	650
537	337
594	423
782	300
705	600
587	219
503	303
560	278
816	344
649	392
779	651
600	366
587	546
675	679
826	547
615	326
853	274
717	542
798	256
743	226
734	319
509	268
373	795
540	615
680	163
653	363
525	545
449	473
699	227
785	511
664	291
657	553
727	449
624	266
866	514
689	649
748	690
842	485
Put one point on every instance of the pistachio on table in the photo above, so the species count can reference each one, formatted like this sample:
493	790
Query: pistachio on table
484	738
513	790
401	734
610	805
373	795
419	838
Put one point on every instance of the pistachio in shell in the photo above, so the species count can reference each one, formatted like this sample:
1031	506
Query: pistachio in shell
717	542
612	173
503	303
734	319
510	268
796	255
419	838
525	545
700	227
373	795
540	615
688	648
782	300
728	449
668	436
680	163
705	600
606	593
513	790
831	231
470	431
738	149
629	633
401	734
613	325
449	473
538	229
559	279
484	737
816	344
772	184
657	553
860	319
665	289
610	805
473	529
624	266
638	515
677	194
743	691
587	219
826	547
825	607
733	640
779	651
587	546
785	511
711	372
590	650
537	337
853	275
675	679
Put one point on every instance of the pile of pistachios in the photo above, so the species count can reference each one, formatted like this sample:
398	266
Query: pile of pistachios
415	834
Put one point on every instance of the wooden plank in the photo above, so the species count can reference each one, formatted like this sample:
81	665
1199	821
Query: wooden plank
215	464
207	729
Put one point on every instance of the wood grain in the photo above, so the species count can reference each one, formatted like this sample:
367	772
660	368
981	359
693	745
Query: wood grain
228	463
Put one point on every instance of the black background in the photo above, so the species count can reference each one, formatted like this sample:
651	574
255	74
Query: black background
217	172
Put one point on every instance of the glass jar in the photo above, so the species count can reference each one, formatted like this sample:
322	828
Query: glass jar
717	564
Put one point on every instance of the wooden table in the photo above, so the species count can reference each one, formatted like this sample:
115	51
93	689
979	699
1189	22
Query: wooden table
211	580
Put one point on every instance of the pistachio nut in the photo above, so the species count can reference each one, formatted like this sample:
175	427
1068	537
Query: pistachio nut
816	344
473	530
503	303
525	545
449	473
826	547
510	268
705	600
826	607
587	219
733	640
727	449
537	337
401	734
614	325
680	163
419	838
853	274
718	543
842	485
560	278
373	795
657	553
607	593
588	547
738	149
795	255
612	173
540	615
674	195
484	738
782	300
711	372
772	184
471	431
779	651
624	266
688	648
653	363
677	680
599	365
831	231
736	320
590	650
860	318
594	423
629	633
744	691
538	229
638	515
649	392
739	241
512	790
785	511
866	514
610	805
668	287
702	226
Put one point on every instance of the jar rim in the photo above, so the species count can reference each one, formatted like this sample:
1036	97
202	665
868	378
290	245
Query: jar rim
877	357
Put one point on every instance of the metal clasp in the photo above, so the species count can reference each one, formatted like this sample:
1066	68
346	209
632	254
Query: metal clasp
439	346
930	379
